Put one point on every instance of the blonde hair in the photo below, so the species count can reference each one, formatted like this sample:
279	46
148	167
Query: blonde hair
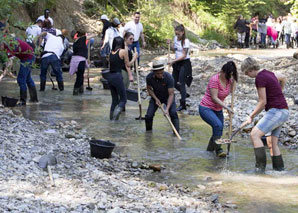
249	64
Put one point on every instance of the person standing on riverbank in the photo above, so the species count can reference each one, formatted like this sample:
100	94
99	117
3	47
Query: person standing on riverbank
160	86
240	26
118	58
136	27
219	87
182	69
269	87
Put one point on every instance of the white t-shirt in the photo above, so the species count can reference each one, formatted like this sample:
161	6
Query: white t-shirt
111	33
179	49
121	30
134	28
54	44
32	32
43	18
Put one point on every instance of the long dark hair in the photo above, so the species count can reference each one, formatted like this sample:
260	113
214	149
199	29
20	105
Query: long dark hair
230	69
118	43
127	35
181	28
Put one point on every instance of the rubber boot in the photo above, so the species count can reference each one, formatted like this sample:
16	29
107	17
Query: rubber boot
176	124
42	85
260	160
33	94
278	163
182	106
81	89
218	150
61	85
116	113
75	91
211	145
111	115
148	123
23	98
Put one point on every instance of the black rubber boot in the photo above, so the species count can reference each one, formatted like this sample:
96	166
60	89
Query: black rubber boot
75	91
23	98
176	124
111	115
42	85
211	145
148	123
61	85
182	106
260	160
33	94
81	89
116	113
278	163
218	150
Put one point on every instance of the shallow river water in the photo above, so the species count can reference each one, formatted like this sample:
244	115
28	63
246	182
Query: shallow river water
186	162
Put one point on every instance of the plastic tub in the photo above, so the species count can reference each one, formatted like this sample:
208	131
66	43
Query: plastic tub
101	149
9	102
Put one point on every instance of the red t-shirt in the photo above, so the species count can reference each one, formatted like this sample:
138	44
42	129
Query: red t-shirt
22	50
274	95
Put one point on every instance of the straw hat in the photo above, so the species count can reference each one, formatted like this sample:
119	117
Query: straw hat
158	65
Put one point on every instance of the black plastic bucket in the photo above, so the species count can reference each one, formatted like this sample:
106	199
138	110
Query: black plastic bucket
132	95
9	102
101	149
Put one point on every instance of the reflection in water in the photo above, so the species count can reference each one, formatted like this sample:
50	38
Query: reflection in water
186	161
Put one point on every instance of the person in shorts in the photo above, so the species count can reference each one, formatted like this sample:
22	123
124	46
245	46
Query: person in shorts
269	87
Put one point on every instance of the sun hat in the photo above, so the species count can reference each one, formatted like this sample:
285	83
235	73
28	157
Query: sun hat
158	65
104	17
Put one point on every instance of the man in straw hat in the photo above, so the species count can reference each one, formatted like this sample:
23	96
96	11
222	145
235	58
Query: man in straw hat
160	86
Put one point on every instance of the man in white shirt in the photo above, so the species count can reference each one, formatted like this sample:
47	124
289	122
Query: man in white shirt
46	16
53	49
136	27
32	32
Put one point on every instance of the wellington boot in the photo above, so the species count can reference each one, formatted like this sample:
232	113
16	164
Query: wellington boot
218	150
260	160
23	98
278	163
33	94
148	123
81	90
182	106
176	124
116	113
42	85
211	145
111	115
75	91
61	85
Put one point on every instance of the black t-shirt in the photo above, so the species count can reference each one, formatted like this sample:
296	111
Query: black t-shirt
129	58
240	25
160	86
80	47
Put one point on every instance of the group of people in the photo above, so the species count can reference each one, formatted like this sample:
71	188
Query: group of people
160	84
267	31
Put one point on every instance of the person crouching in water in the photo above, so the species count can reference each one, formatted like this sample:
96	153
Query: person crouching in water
160	86
182	69
219	87
269	86
79	61
118	58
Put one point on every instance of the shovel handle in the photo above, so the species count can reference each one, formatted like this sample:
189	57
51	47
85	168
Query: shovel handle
51	175
169	56
170	122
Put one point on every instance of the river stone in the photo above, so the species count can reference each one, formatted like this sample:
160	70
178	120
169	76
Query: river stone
292	133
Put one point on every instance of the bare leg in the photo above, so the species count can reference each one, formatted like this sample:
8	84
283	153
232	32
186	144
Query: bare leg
255	137
275	148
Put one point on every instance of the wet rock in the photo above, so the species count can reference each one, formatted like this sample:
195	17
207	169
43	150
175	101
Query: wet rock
134	164
155	167
292	133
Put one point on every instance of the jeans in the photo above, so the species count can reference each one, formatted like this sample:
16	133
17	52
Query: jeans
136	44
55	64
24	77
153	107
263	38
288	38
80	74
214	118
179	76
118	91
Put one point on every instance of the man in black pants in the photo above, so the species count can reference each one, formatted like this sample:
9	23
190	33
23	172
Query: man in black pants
160	86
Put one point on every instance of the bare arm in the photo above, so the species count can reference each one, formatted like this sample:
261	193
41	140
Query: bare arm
152	94
143	39
215	99
261	103
182	57
282	80
134	58
170	99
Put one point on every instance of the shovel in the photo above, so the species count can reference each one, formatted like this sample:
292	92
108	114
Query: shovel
231	118
169	56
88	87
45	162
53	88
139	92
170	122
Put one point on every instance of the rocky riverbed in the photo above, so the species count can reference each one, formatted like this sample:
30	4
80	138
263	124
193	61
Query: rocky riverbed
83	183
246	94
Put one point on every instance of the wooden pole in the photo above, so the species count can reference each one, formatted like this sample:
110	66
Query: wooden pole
231	117
139	90
169	56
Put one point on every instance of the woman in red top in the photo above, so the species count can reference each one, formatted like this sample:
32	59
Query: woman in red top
269	86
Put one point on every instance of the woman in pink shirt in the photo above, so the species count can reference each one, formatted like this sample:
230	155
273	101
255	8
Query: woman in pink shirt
210	108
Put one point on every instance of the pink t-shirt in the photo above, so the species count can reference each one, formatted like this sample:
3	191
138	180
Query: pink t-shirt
223	92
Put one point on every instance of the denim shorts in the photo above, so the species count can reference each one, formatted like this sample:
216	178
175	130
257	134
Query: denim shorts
272	121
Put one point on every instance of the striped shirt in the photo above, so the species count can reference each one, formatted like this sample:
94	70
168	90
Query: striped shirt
223	92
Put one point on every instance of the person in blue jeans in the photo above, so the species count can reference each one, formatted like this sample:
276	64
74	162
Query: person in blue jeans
210	108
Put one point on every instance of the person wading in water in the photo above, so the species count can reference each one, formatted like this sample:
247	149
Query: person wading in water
219	87
182	69
269	87
160	86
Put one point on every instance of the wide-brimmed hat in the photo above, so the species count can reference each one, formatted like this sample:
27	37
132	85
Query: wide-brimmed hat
158	65
104	17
